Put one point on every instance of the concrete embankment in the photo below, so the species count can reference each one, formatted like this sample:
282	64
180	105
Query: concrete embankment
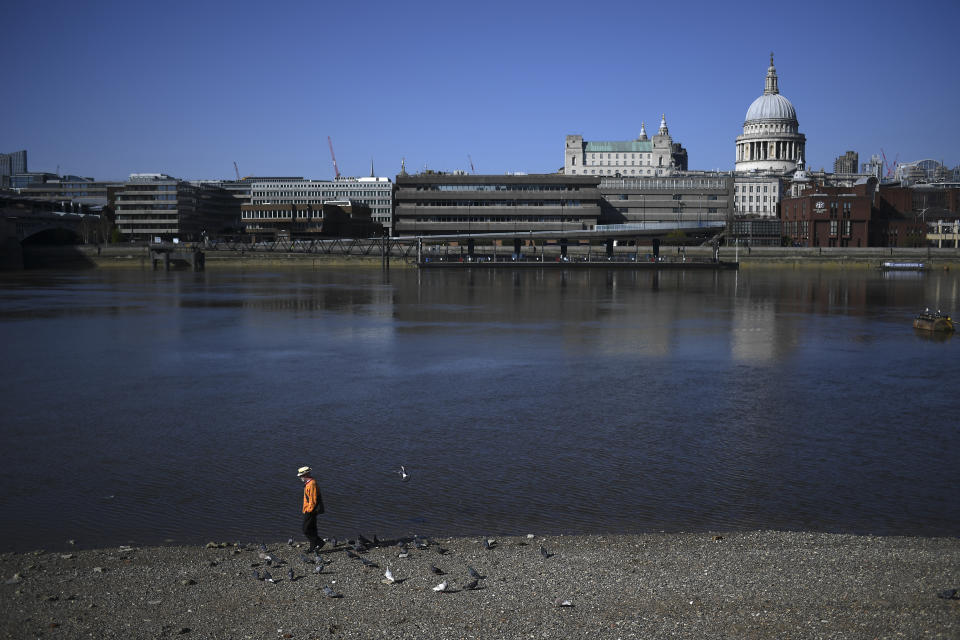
739	585
135	256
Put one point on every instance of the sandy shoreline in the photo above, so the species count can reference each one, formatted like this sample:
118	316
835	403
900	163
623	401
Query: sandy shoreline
739	585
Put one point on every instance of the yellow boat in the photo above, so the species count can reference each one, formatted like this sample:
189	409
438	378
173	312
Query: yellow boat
933	321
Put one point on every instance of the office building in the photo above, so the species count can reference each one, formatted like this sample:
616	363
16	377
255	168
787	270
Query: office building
830	216
847	163
155	205
440	203
689	196
12	164
85	192
373	192
332	218
757	194
659	156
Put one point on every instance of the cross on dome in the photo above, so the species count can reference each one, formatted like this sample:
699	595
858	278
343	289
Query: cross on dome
771	87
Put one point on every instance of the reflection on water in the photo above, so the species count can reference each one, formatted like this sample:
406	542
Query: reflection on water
144	406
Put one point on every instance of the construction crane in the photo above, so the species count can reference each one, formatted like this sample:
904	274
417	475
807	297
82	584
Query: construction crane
891	168
336	170
236	170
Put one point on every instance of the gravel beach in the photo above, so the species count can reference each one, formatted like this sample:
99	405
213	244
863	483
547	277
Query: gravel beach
738	585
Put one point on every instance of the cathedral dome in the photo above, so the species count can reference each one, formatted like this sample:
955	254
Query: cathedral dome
772	106
771	140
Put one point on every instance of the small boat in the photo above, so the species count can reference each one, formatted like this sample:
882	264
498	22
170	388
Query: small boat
933	321
891	265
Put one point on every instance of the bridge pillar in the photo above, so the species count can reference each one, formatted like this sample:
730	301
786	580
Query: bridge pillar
470	246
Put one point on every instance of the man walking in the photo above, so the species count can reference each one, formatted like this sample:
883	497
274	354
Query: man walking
312	505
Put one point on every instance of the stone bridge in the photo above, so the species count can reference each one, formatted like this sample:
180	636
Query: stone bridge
24	218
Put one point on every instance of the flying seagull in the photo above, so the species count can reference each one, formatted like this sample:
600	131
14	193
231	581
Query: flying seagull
404	476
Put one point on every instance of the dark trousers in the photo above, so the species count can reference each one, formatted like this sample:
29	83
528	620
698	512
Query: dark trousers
310	529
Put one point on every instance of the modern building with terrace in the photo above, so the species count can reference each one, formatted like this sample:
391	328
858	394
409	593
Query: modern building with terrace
690	196
439	203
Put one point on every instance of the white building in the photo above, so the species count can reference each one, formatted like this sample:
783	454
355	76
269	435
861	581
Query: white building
771	138
757	194
375	192
659	156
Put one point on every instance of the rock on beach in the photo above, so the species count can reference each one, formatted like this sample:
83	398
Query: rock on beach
735	585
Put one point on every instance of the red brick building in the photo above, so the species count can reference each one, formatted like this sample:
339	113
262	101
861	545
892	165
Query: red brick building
829	216
867	215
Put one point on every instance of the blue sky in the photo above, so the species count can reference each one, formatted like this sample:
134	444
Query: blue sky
104	89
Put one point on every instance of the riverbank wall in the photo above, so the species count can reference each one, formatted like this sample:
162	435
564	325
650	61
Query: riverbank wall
138	257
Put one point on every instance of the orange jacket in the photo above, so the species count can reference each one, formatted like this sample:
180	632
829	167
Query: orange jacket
310	496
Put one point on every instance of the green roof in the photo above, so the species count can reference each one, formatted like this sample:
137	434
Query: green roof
644	146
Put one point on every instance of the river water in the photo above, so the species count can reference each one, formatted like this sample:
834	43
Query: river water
143	407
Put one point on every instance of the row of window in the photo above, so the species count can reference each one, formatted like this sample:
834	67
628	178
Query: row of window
801	228
617	172
147	207
162	196
498	203
748	188
641	196
644	210
142	220
314	201
289	193
664	184
524	219
615	156
498	187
